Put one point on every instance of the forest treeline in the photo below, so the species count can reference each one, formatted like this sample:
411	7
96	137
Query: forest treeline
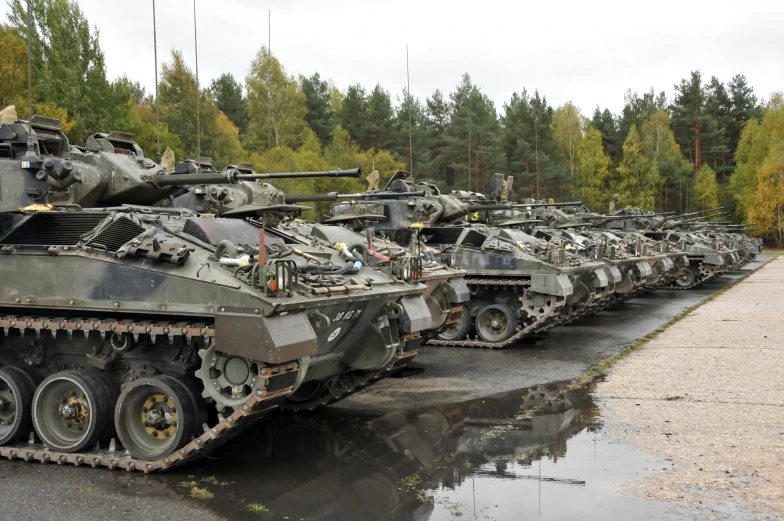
711	143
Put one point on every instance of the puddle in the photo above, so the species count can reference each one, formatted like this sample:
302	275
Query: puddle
537	453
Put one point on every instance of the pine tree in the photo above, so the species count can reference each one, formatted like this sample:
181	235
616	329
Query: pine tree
606	123
437	117
354	116
744	107
518	135
475	150
715	143
320	115
689	120
230	100
379	117
637	107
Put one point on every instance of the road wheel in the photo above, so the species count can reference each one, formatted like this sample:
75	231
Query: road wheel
16	400
687	278
496	323
460	329
155	416
72	410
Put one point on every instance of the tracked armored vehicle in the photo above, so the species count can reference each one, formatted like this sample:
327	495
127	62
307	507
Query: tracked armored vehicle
517	287
172	329
446	290
645	264
708	258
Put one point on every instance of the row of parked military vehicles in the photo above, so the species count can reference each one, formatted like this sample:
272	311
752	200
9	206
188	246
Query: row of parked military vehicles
149	316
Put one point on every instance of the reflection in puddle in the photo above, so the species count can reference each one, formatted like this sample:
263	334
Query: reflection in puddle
537	453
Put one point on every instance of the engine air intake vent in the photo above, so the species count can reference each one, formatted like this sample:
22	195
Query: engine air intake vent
53	229
119	232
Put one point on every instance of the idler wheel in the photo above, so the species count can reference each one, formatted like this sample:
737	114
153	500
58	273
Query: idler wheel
460	329
16	401
72	410
537	304
154	417
687	278
496	323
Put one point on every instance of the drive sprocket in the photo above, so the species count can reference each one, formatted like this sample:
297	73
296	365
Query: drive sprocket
228	380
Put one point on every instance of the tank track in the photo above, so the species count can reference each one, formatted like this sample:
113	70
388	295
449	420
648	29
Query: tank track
348	383
253	409
533	327
697	282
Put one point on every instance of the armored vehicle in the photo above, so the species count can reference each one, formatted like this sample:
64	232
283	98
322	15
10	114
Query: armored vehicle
517	285
708	258
446	290
647	264
173	330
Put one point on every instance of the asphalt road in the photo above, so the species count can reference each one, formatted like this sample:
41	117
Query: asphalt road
49	492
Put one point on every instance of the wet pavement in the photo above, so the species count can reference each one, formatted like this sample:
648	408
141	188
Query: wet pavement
477	435
458	374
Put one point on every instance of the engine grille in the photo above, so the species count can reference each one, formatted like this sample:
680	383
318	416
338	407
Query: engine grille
117	233
53	229
67	229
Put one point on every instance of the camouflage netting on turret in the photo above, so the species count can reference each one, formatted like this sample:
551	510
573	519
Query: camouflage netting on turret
8	114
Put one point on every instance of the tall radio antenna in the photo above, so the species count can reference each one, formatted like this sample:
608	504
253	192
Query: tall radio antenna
269	87
29	64
157	110
198	91
410	103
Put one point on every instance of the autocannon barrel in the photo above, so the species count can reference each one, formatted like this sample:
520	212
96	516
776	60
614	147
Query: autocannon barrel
354	172
208	178
471	208
541	205
334	196
701	212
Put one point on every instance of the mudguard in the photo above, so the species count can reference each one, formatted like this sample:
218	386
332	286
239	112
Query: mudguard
276	339
416	315
552	284
458	291
600	279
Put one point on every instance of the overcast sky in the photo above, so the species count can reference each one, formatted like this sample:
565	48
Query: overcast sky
587	52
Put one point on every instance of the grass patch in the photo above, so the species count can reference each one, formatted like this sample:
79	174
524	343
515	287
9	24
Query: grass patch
257	507
602	366
673	398
211	480
188	484
201	493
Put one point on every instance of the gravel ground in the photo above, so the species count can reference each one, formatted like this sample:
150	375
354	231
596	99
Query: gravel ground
707	397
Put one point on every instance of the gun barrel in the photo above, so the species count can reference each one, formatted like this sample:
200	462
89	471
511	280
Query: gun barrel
540	205
334	196
382	195
311	198
209	178
471	208
355	173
